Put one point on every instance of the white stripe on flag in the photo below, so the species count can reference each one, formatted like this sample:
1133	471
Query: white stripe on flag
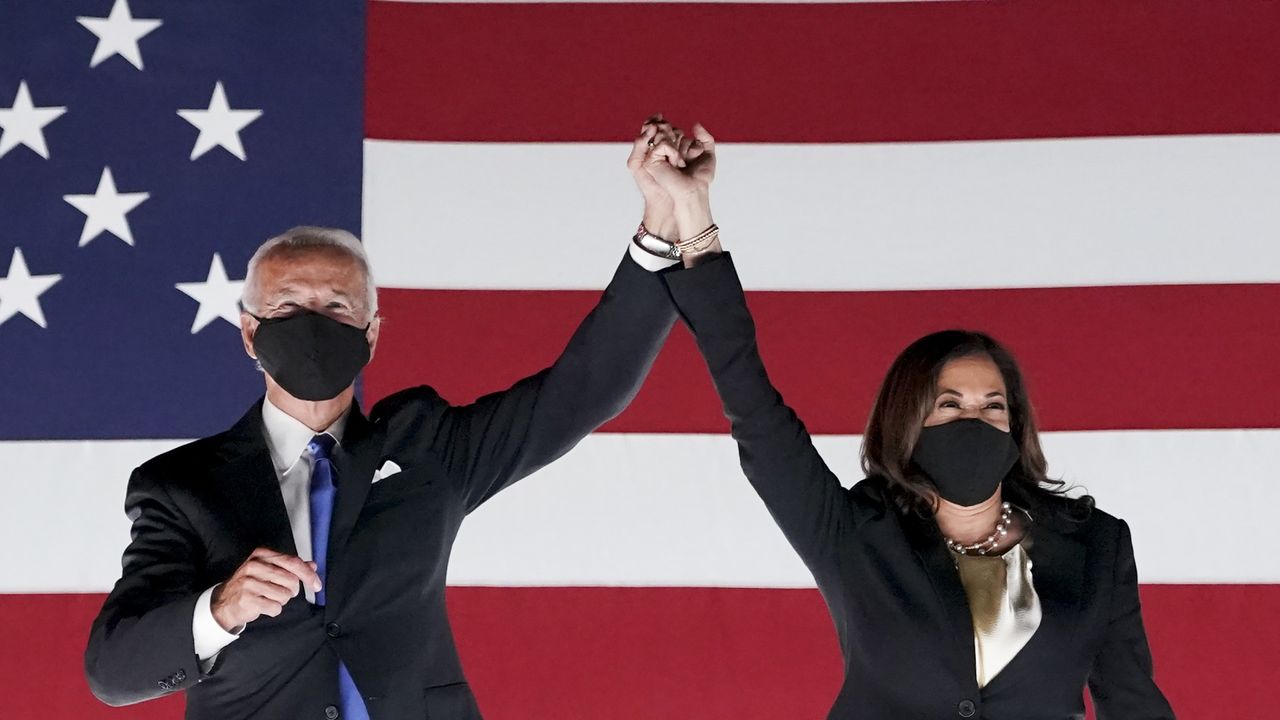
674	510
62	522
1027	213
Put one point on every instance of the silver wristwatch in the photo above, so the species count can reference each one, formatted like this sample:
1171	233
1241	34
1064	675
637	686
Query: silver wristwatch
655	245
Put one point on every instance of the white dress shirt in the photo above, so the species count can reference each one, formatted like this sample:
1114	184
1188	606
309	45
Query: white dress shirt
648	260
287	440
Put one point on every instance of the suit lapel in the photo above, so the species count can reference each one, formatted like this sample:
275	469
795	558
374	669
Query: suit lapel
929	547
1057	571
354	463
248	480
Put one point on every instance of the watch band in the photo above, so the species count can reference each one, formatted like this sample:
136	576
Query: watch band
655	245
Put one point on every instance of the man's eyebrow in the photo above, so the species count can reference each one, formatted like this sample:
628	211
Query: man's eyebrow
288	291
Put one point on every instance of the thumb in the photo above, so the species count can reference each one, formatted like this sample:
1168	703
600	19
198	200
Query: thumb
704	137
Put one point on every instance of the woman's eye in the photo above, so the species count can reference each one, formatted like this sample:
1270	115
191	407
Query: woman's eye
949	404
996	406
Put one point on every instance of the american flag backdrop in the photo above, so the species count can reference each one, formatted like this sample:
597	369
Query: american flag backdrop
1096	183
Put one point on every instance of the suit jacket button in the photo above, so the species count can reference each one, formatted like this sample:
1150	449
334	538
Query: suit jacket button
966	708
331	712
333	630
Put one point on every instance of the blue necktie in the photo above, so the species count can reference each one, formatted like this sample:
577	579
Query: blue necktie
350	703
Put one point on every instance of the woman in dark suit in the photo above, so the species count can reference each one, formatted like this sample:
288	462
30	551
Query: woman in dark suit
962	581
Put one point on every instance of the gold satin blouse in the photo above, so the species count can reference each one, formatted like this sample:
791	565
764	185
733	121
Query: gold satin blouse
1004	606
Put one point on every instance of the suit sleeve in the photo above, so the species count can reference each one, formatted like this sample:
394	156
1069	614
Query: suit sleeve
141	645
777	454
507	435
1121	680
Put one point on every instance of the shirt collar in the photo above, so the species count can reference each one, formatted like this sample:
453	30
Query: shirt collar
287	437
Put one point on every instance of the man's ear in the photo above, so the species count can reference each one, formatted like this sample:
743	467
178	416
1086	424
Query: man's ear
248	326
372	335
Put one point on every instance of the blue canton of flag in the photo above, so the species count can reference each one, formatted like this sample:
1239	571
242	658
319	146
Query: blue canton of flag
146	149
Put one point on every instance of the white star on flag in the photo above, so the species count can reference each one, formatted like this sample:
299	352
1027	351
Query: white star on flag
23	123
105	210
20	291
219	125
218	296
118	34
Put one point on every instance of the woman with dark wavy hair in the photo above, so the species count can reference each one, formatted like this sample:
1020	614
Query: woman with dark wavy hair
963	582
919	392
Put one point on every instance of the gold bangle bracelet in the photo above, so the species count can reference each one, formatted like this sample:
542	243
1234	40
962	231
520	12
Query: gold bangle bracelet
695	249
700	242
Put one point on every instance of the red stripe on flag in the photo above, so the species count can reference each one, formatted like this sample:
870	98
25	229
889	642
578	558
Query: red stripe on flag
42	666
1108	358
800	72
641	653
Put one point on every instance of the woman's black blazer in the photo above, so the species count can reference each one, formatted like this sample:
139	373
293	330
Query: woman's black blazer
892	589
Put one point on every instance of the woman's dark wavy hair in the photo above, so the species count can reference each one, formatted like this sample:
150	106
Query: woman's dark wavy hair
906	398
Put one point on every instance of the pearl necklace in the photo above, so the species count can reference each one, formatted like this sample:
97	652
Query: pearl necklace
992	541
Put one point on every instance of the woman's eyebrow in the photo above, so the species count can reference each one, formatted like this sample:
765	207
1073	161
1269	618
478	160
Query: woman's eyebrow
957	393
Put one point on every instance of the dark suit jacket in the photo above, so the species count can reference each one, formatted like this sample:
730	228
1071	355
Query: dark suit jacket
199	511
892	589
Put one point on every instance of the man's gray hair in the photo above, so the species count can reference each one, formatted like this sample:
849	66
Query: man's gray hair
302	238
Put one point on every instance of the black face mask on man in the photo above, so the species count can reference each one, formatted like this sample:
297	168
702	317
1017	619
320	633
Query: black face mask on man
966	459
311	355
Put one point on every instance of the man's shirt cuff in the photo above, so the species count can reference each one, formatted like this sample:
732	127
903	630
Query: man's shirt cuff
209	636
649	261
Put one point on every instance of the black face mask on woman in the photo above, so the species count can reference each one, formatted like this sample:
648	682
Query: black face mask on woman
965	459
310	355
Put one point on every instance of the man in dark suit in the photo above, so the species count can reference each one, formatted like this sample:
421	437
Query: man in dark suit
294	565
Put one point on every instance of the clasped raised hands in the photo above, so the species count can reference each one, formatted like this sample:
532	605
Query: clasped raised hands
674	172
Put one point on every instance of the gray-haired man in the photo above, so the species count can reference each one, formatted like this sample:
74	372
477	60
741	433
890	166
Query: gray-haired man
294	566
